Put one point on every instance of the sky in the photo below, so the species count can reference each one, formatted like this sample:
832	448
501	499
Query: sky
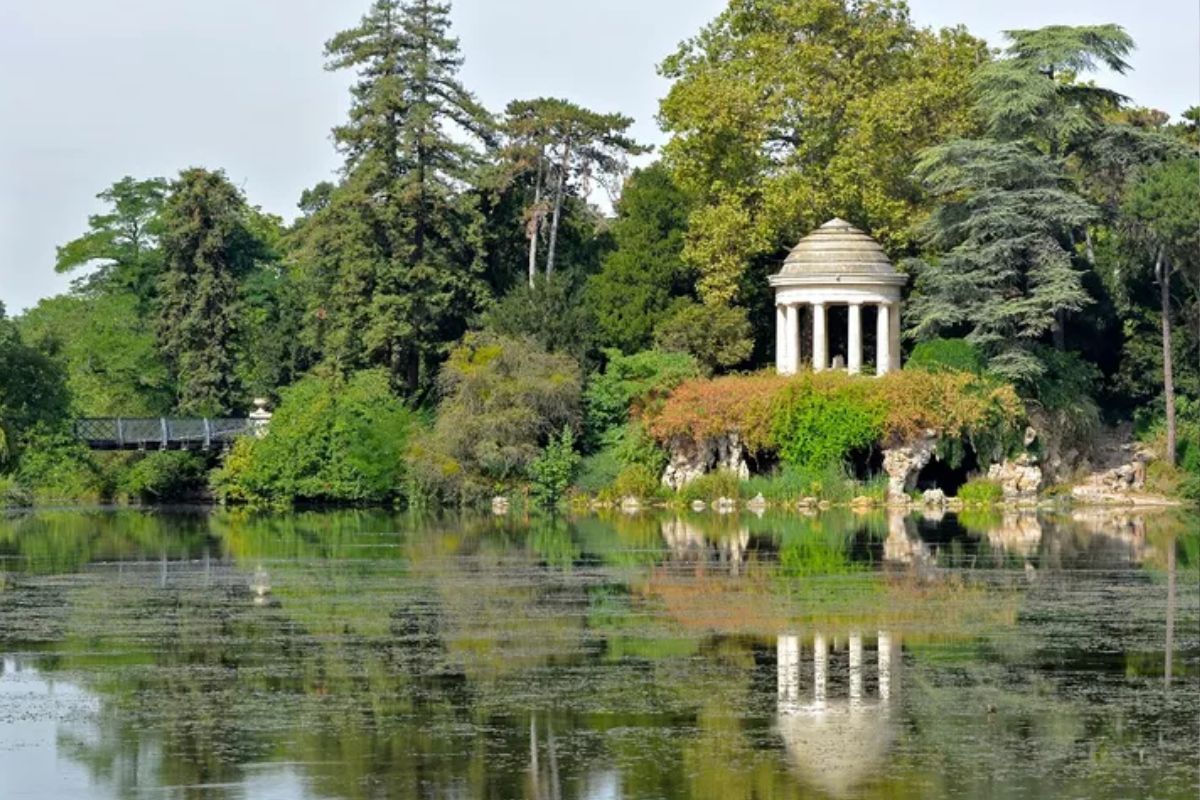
97	89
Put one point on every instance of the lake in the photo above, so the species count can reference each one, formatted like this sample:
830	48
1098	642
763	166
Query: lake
190	653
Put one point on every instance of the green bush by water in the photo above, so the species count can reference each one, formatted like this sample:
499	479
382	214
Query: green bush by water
981	491
331	440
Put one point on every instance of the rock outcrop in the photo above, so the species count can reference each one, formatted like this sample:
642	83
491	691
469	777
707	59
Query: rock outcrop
903	464
689	459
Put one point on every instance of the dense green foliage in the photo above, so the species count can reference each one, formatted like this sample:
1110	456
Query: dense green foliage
641	278
331	440
502	401
454	299
945	354
551	473
817	429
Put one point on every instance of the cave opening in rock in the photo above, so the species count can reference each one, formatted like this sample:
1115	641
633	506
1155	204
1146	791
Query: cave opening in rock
941	474
866	463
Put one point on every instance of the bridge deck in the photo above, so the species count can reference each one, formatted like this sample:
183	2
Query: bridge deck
160	433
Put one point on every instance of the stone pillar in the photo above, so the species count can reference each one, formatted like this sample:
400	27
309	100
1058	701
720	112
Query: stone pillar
793	339
883	341
894	334
854	340
820	343
820	665
781	348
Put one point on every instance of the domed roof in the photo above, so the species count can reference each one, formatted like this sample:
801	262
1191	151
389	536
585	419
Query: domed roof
837	248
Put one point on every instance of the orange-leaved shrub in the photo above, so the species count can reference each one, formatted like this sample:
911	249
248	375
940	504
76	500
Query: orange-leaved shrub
702	409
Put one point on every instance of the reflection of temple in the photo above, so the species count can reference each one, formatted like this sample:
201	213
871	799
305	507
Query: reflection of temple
837	733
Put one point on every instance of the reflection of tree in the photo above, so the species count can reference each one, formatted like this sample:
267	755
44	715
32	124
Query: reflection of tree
408	657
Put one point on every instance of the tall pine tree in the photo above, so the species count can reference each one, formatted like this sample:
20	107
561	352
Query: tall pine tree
1006	236
392	259
207	248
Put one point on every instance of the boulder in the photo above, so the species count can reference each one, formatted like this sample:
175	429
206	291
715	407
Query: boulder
499	505
699	505
934	497
689	459
1020	478
758	503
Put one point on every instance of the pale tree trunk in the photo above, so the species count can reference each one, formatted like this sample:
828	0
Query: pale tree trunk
558	201
1162	270
535	221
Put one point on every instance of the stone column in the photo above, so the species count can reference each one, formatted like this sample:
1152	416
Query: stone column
894	334
820	343
854	340
781	348
793	339
883	341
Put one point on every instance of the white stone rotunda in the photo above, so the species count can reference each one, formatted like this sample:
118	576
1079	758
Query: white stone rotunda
837	265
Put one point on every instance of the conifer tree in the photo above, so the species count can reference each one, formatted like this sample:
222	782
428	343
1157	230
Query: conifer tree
1006	270
392	256
207	248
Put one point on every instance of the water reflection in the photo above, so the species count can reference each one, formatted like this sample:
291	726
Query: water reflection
836	738
369	654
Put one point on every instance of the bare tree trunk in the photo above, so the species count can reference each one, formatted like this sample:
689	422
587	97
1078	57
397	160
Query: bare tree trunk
1162	270
558	201
535	222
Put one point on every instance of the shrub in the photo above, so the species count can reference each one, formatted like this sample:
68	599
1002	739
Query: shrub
331	440
55	467
703	409
946	355
162	476
630	386
821	418
816	420
637	481
981	491
719	336
598	472
712	486
552	471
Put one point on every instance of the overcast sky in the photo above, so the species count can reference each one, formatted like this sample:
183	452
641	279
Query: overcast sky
97	89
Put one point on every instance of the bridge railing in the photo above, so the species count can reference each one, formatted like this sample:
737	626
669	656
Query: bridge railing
163	433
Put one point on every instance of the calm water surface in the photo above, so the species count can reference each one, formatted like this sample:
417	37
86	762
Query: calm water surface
190	654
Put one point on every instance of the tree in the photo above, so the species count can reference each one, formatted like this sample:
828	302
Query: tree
208	248
550	312
1005	268
785	113
1016	203
392	256
1033	92
122	244
32	390
108	351
646	272
560	143
1163	215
